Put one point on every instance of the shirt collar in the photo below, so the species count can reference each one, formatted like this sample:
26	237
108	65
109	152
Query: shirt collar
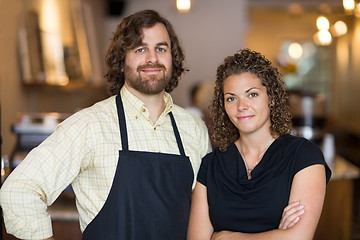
135	107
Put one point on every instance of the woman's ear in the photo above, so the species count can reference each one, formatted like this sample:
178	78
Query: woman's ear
271	104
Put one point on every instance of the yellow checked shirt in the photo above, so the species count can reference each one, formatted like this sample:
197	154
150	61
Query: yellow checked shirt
83	152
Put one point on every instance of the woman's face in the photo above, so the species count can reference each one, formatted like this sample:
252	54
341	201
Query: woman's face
247	103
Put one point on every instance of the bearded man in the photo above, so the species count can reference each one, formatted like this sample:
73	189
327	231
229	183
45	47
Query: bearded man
131	159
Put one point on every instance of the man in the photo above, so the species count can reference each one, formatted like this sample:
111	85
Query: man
131	159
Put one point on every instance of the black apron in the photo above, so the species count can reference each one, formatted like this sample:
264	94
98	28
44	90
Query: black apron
150	195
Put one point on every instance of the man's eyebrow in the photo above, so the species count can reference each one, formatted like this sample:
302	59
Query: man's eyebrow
158	44
162	44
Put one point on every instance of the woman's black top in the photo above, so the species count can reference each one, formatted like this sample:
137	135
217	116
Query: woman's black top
255	205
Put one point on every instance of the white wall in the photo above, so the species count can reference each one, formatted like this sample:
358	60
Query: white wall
211	31
10	90
346	88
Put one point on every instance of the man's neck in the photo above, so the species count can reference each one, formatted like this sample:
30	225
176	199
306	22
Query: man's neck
154	103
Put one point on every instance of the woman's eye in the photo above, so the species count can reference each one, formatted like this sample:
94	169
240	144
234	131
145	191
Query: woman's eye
253	94
230	99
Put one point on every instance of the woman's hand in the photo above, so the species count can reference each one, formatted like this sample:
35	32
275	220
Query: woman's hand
291	215
222	235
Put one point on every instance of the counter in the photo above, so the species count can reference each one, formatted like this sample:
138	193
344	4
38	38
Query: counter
337	215
64	209
65	218
342	169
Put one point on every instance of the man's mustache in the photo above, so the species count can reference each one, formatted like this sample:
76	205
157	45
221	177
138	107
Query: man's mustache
146	66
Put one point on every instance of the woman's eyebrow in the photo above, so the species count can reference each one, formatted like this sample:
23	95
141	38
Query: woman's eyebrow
251	89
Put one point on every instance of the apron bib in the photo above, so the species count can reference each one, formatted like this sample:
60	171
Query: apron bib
150	195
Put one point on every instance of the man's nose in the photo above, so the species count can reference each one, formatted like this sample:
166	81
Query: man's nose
151	56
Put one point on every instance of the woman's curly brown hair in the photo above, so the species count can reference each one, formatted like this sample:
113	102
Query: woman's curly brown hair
224	131
128	35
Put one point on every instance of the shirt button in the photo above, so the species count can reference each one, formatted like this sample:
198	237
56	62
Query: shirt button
154	128
143	110
137	117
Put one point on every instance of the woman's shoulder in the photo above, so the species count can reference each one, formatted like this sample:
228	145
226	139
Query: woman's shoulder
217	154
292	142
303	152
217	160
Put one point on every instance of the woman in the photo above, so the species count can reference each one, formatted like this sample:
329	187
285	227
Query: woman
258	169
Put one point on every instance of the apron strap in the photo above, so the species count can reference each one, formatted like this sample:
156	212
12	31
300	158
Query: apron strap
122	123
177	135
123	130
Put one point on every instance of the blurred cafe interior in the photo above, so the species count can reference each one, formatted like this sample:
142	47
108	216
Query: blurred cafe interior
52	62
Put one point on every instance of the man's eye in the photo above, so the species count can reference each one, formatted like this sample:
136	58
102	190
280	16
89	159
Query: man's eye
161	49
140	50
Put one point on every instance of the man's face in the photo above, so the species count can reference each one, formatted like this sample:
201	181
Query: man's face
148	67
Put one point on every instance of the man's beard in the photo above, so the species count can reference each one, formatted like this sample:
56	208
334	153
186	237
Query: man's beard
151	84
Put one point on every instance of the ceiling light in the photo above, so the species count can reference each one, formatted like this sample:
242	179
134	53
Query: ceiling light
183	6
323	37
295	50
357	10
349	5
339	28
322	23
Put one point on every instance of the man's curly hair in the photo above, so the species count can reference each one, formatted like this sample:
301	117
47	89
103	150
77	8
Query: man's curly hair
127	36
247	61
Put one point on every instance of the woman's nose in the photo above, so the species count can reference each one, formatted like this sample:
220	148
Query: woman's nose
243	105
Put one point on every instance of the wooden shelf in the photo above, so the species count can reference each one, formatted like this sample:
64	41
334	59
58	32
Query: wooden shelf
71	87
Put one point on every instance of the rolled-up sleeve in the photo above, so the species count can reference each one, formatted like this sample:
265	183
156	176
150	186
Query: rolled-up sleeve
39	179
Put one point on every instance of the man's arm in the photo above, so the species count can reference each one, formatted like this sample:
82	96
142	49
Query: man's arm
24	201
37	182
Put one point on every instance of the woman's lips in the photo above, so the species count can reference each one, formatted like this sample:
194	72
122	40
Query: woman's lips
243	118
